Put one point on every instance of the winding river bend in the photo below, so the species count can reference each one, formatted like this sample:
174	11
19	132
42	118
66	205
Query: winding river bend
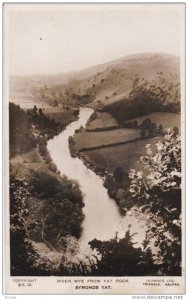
102	217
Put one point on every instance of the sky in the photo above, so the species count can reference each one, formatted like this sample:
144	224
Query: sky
57	39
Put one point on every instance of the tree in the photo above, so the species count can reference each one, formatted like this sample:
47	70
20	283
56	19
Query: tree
143	133
158	192
35	110
152	130
142	100
118	174
21	138
146	124
136	82
147	129
61	212
23	256
135	124
55	103
41	112
120	257
160	130
176	130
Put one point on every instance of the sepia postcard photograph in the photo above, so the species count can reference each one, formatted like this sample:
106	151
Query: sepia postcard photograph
94	148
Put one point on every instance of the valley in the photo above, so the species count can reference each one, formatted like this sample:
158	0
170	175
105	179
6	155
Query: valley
76	151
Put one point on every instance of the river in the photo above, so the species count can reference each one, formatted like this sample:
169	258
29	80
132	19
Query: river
102	216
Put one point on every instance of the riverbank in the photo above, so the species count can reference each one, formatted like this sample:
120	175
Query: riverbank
97	202
54	203
115	191
67	208
111	152
64	116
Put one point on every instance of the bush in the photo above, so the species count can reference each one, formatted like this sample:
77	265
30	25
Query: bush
52	167
158	192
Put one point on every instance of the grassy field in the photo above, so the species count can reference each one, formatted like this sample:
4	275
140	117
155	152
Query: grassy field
61	115
167	120
103	121
126	156
88	140
31	160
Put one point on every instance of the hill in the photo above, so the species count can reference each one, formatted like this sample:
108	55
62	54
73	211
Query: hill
120	77
105	83
24	87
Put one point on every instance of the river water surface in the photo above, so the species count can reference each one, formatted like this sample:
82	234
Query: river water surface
102	216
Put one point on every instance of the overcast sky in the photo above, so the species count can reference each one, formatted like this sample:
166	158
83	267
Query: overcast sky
51	39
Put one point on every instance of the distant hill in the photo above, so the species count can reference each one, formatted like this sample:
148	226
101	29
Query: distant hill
24	86
105	83
120	77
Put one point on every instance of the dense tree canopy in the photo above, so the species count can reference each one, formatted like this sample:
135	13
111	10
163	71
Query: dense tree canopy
21	138
141	101
23	255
